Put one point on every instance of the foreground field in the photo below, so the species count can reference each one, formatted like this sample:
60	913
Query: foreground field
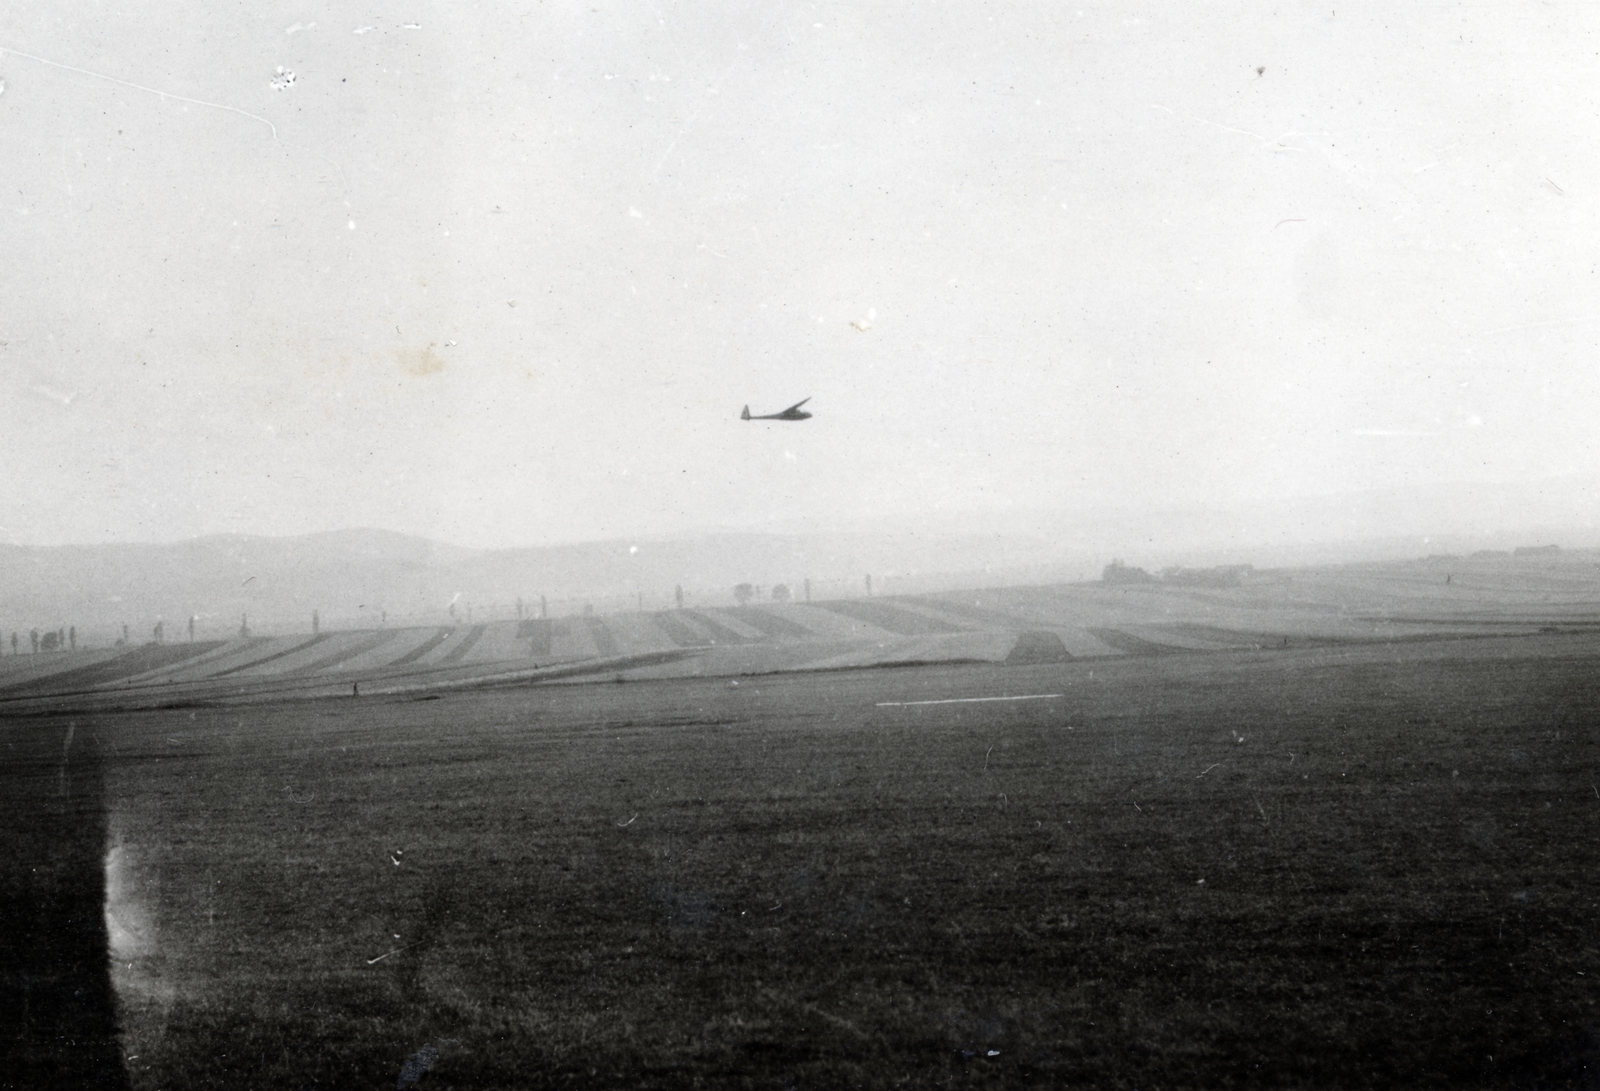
1336	866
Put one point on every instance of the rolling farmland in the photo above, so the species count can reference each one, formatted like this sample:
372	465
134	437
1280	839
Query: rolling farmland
1323	829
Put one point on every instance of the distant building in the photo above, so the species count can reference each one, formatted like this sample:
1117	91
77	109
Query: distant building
1117	572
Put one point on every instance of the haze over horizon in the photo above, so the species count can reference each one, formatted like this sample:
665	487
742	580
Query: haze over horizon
504	275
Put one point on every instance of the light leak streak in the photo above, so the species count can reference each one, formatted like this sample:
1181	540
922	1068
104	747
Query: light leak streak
971	700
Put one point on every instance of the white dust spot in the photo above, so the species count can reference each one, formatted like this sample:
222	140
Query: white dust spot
633	549
413	26
299	27
363	30
283	80
351	225
635	213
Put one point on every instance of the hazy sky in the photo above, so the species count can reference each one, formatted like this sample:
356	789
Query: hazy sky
505	273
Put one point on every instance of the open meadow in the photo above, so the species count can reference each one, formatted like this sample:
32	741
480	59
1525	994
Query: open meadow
1322	867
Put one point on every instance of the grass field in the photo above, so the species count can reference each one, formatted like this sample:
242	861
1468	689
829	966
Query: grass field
1326	867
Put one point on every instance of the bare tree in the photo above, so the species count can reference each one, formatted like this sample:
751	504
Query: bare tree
743	593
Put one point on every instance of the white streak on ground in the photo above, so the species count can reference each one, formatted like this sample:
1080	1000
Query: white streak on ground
970	700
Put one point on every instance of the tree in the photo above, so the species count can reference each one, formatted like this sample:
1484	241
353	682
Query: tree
780	593
34	636
678	593
743	593
51	641
72	635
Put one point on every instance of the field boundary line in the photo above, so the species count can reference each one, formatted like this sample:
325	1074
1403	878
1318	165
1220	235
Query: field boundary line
970	700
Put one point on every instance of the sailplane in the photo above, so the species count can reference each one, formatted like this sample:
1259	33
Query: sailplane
794	412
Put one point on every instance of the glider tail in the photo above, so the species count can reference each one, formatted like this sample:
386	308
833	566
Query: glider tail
746	414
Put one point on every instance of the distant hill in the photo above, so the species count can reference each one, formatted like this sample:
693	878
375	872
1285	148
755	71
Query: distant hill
356	578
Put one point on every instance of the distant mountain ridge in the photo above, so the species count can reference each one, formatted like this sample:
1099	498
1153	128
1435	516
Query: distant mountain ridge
365	576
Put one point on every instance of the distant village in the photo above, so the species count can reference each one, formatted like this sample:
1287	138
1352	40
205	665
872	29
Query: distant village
1232	575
